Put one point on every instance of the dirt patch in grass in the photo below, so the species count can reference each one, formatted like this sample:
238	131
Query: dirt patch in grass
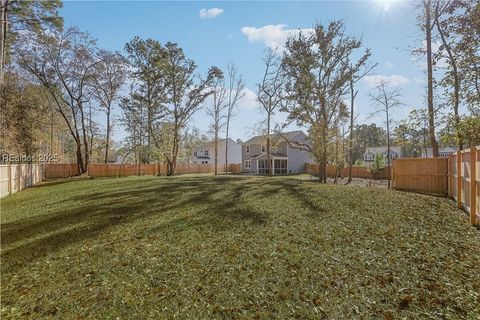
234	248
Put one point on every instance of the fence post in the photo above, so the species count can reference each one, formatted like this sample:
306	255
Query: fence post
392	174
9	178
473	185
450	175
459	179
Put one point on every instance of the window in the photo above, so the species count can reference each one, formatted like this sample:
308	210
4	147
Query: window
247	150
247	164
195	153
263	148
206	153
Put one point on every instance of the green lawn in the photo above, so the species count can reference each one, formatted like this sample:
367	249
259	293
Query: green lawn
234	248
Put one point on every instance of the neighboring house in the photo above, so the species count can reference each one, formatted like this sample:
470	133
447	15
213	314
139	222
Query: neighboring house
285	158
442	152
205	153
369	155
115	159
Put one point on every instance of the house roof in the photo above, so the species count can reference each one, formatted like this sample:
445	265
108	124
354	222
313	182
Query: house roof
273	137
440	150
274	155
210	144
383	150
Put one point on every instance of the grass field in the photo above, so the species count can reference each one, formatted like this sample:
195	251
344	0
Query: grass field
234	248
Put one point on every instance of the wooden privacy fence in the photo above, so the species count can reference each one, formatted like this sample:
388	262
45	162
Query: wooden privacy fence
55	171
357	172
457	177
15	177
421	175
464	181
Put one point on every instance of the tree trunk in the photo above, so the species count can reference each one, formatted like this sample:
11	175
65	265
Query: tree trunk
350	142
336	161
51	130
269	164
431	111
107	138
85	138
324	165
3	38
388	144
226	145
216	151
172	163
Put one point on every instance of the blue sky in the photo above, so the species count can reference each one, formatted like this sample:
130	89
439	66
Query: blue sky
240	32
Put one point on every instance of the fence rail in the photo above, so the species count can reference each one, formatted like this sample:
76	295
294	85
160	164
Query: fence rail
15	177
357	172
55	171
457	177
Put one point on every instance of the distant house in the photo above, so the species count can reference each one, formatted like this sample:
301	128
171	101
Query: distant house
205	153
369	155
115	159
285	158
442	152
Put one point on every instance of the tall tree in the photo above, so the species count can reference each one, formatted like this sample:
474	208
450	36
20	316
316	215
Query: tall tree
427	25
148	59
134	122
110	77
385	100
466	28
452	77
186	95
354	78
17	15
216	111
271	94
319	72
64	63
236	92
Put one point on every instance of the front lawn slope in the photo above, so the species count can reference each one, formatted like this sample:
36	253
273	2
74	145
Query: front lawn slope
234	248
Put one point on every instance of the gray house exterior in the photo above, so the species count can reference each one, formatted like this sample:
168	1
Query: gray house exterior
285	159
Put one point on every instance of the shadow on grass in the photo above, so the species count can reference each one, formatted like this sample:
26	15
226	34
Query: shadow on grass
218	203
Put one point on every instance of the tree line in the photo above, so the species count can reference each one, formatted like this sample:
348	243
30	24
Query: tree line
54	80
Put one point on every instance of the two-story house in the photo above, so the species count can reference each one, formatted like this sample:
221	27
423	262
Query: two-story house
285	157
369	155
205	153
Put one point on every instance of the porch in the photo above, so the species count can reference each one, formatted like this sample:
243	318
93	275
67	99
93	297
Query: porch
278	164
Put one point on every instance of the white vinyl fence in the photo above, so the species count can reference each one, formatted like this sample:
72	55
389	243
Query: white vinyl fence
15	177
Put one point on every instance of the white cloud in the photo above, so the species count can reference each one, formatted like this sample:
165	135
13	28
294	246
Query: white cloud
210	13
249	101
273	35
389	64
393	80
